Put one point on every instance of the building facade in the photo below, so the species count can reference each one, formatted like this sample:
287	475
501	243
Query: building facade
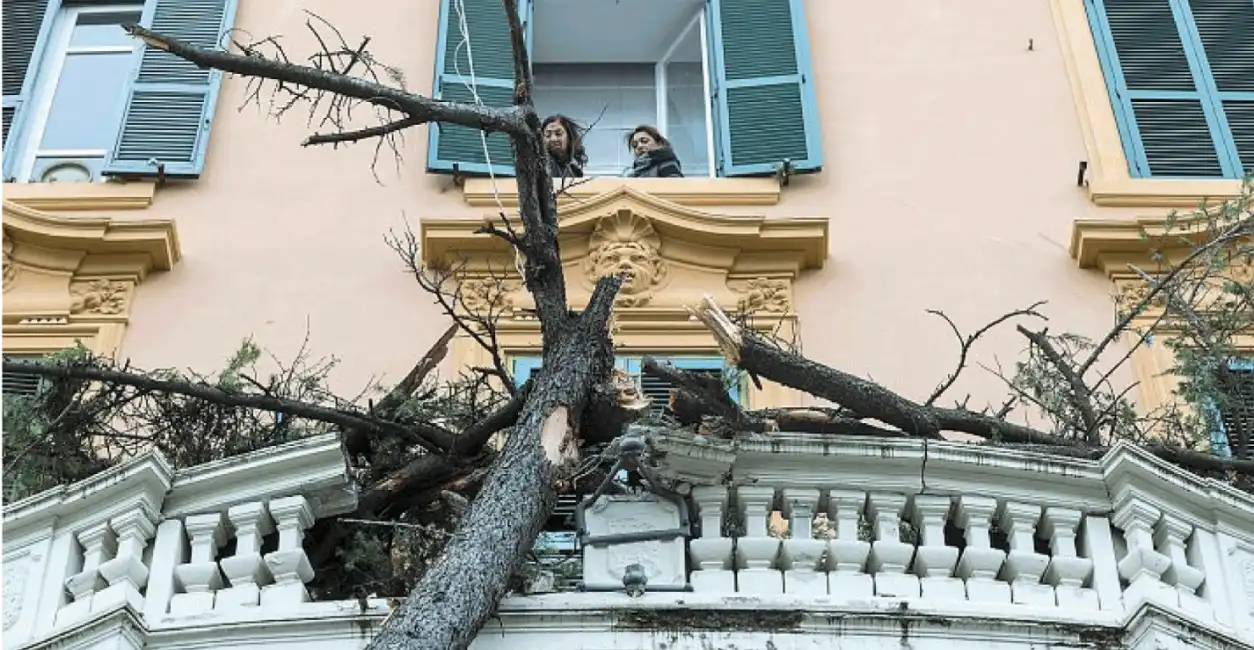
848	165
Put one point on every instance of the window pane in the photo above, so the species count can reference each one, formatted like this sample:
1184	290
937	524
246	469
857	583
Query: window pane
64	169
611	98
103	29
685	115
88	102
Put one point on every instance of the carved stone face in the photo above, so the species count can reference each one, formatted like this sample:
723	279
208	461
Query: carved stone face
636	261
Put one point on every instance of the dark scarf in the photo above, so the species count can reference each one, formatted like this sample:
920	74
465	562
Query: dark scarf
559	169
656	163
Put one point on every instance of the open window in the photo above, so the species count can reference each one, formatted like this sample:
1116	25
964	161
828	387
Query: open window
728	82
615	65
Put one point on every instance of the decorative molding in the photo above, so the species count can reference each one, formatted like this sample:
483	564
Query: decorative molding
625	244
673	255
129	195
72	279
480	193
1109	182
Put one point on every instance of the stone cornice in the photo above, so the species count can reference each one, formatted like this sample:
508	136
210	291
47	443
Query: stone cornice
313	467
481	193
152	243
131	195
795	243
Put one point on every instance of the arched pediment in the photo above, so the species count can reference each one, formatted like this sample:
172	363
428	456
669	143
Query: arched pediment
74	278
673	254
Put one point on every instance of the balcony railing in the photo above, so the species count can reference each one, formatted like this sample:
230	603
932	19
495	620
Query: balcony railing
808	530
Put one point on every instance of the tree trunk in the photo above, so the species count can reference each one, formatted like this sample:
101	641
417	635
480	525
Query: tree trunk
461	589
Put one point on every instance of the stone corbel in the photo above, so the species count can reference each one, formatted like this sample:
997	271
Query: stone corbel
70	279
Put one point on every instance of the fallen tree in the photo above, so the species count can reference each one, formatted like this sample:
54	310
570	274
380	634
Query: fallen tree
423	449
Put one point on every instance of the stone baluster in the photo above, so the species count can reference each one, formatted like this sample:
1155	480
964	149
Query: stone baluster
1024	566
933	561
245	569
200	577
126	572
889	555
711	553
846	554
1142	566
802	555
757	553
98	543
1067	572
980	562
289	565
1170	537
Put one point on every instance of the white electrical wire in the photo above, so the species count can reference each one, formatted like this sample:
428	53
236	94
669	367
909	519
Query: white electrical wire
464	28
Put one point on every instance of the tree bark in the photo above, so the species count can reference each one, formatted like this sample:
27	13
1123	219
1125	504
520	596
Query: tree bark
460	590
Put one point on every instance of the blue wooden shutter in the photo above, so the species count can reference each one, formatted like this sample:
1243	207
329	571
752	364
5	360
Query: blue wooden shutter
26	24
1160	89
171	102
1232	414
489	46
1225	29
765	108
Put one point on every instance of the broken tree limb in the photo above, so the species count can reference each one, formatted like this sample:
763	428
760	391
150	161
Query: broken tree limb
751	352
429	436
461	588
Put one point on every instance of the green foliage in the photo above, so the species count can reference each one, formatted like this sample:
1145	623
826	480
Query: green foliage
70	429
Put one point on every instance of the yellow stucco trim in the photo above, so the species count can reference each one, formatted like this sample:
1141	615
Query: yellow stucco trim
1109	182
674	255
73	279
1113	247
481	193
129	195
1110	245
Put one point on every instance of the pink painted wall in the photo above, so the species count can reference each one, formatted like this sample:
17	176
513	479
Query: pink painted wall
951	156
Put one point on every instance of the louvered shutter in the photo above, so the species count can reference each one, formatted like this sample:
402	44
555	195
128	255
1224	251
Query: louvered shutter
765	108
25	27
1161	89
659	390
171	102
20	383
1225	29
1236	413
487	44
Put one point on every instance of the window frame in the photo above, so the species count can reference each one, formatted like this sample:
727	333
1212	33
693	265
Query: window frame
1107	179
701	22
1206	92
47	78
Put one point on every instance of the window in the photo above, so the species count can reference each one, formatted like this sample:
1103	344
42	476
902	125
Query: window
1180	74
656	389
83	100
728	82
20	383
1233	412
637	76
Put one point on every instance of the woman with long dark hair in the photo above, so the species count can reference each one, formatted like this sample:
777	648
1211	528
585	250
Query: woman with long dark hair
563	139
654	155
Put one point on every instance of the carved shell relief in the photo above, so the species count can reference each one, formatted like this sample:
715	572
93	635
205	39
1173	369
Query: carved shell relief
98	297
627	245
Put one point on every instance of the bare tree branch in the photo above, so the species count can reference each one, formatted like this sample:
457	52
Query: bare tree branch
419	108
